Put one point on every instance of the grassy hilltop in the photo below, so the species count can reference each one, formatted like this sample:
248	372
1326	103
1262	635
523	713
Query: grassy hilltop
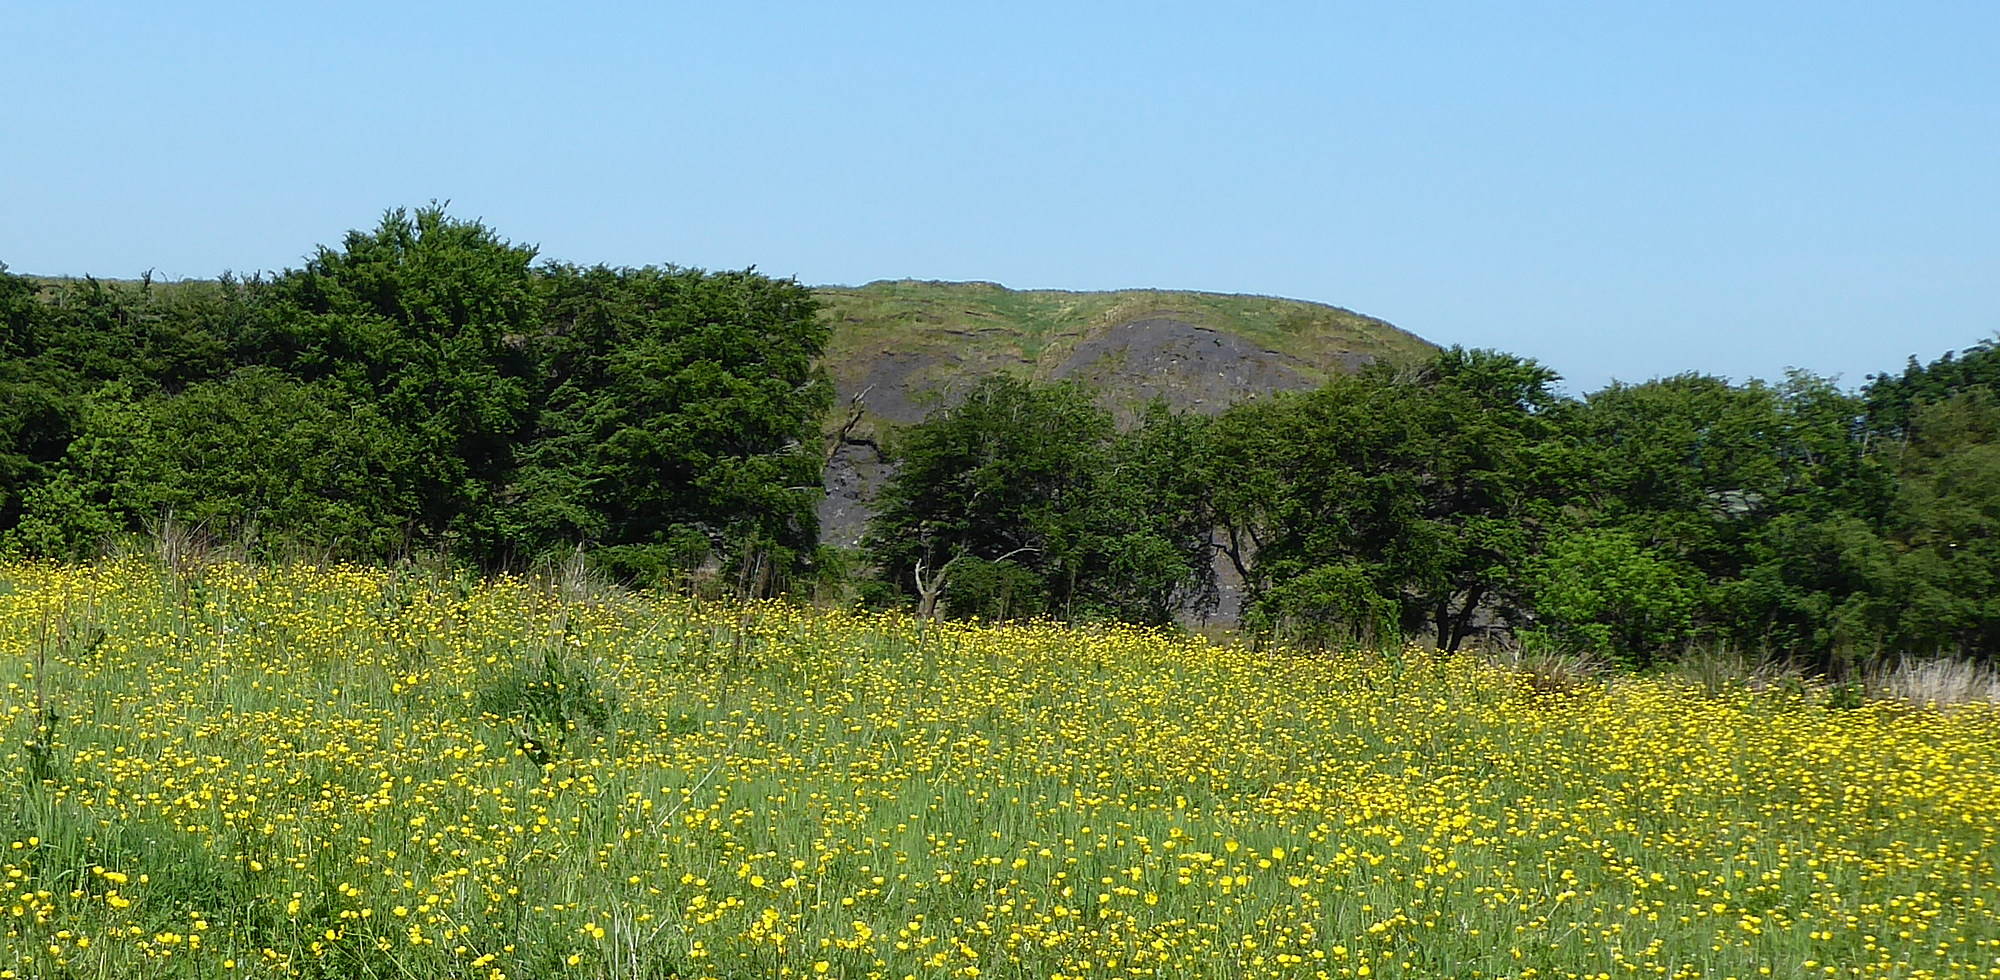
931	332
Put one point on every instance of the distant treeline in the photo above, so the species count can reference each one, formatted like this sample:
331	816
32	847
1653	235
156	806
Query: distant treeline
429	388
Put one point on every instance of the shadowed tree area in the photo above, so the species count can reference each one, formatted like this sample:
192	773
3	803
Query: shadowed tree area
1023	500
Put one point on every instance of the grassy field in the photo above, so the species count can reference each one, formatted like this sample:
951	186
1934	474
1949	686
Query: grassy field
223	771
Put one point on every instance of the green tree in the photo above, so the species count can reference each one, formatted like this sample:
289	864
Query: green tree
38	402
287	465
423	385
429	317
1149	552
91	491
1602	591
1763	492
1326	605
681	407
152	336
1892	401
1433	483
59	342
1945	527
256	456
1685	464
17	316
1004	476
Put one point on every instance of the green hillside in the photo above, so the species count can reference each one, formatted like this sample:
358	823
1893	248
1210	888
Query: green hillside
913	335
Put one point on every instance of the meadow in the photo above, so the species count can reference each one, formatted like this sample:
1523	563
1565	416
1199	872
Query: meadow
219	770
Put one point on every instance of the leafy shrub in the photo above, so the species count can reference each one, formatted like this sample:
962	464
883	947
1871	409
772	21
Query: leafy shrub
670	563
1846	696
1602	590
547	700
1327	605
995	590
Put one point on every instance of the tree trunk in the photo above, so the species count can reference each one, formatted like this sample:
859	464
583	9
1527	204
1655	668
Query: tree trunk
1463	623
929	592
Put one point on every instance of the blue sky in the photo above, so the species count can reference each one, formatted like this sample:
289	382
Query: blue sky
1617	189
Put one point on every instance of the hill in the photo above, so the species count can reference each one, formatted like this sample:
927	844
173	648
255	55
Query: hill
903	347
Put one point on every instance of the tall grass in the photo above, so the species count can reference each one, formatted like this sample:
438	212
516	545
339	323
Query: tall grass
345	772
1940	682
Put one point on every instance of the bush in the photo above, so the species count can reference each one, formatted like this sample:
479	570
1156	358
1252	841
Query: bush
1601	590
995	590
547	700
1324	606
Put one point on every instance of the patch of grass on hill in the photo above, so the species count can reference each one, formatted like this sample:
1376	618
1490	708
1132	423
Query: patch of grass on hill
981	321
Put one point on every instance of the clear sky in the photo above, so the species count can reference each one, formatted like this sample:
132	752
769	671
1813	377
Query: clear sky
1620	189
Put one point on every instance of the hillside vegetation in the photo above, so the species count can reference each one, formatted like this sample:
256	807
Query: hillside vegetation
960	329
215	770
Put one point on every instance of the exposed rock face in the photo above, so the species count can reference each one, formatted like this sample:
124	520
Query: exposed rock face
902	388
854	476
1191	367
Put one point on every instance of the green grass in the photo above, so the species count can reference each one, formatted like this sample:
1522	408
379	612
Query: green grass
1041	326
356	773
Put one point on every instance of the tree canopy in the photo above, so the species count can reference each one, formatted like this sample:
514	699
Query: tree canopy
425	385
1023	499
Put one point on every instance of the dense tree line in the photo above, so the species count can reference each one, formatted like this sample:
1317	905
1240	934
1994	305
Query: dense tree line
1463	497
426	387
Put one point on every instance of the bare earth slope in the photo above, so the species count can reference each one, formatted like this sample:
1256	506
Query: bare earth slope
906	347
